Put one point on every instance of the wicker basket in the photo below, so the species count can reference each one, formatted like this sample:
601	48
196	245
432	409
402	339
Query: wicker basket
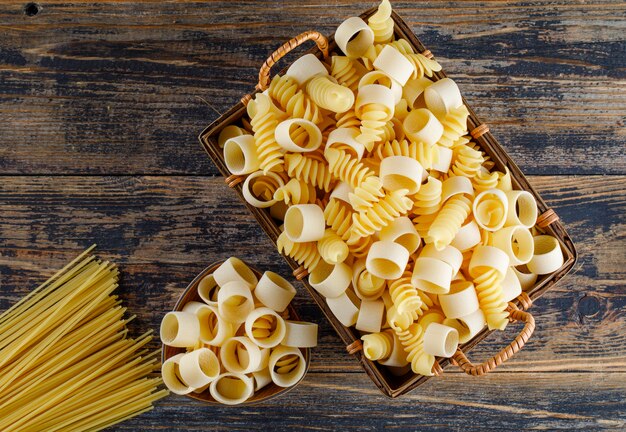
548	221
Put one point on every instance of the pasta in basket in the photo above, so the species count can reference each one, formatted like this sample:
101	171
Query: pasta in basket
423	240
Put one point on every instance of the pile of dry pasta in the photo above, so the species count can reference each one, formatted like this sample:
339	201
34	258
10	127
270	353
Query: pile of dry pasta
238	339
66	361
400	218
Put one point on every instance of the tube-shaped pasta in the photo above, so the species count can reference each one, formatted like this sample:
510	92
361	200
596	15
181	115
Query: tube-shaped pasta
287	366
241	155
300	334
304	223
232	388
440	340
170	371
229	132
547	257
199	367
180	329
259	188
274	292
235	302
265	327
490	209
387	259
214	330
234	269
241	355
207	290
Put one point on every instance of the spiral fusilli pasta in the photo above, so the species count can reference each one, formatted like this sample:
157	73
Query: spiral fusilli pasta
404	295
305	254
348	119
374	118
346	72
422	64
381	23
368	193
359	246
489	291
421	152
377	346
309	169
346	168
329	95
448	221
332	248
338	216
285	91
264	123
484	180
296	192
466	161
391	206
427	203
454	127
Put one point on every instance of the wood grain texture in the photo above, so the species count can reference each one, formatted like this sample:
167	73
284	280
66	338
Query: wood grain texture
100	107
548	76
163	230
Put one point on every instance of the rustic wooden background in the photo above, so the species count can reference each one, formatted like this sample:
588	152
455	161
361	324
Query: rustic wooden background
100	106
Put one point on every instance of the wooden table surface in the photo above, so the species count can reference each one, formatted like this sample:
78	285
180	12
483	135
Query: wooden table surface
100	108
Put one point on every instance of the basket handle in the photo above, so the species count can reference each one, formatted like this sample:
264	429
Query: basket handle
317	37
460	359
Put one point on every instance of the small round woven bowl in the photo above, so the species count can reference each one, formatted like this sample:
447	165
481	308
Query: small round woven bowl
268	392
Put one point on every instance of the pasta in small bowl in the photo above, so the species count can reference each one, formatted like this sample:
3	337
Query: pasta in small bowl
233	337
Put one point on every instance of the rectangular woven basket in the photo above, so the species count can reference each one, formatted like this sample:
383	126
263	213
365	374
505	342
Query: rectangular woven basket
548	221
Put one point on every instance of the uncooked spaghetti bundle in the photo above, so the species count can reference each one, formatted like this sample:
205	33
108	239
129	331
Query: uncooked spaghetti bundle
67	362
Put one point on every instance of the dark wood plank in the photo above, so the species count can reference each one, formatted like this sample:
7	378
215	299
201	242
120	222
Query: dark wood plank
125	87
332	401
164	230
